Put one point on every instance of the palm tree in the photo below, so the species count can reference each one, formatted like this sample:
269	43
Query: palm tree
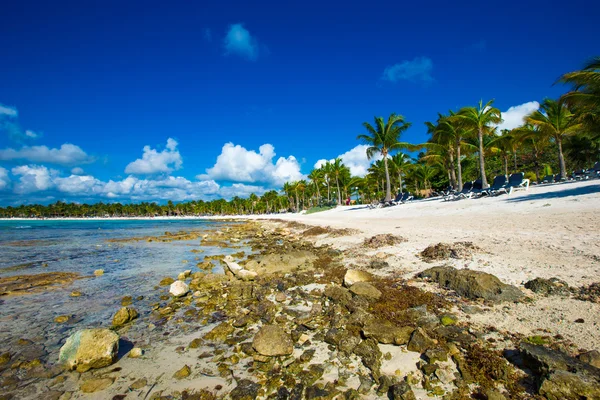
506	144
400	163
585	96
531	136
554	119
316	177
383	139
482	120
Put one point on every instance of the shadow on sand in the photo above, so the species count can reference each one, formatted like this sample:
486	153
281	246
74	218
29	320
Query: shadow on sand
566	192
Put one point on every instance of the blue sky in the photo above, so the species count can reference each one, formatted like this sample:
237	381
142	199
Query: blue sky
132	101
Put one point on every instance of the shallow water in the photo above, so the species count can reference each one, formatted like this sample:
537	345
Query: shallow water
130	269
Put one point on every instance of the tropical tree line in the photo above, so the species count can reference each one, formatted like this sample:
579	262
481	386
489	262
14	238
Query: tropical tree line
561	136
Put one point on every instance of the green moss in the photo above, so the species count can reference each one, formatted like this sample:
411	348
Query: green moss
536	339
447	320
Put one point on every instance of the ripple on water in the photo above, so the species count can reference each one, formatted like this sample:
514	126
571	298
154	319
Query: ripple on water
130	269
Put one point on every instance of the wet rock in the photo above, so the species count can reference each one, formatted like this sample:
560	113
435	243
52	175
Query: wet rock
136	352
387	333
245	390
552	286
183	373
26	284
280	297
99	272
5	358
353	275
238	271
343	339
271	341
166	281
179	288
90	348
96	384
369	352
124	315
560	376
402	391
140	383
591	357
563	385
436	354
338	294
473	284
420	341
365	290
126	301
75	293
220	332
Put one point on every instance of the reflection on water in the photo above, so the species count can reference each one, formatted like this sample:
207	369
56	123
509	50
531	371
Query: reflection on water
130	269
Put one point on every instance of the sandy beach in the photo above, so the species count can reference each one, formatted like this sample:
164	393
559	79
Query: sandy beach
548	231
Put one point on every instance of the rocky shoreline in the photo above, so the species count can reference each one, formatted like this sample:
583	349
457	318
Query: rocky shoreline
296	320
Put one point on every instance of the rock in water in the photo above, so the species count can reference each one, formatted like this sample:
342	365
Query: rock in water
353	275
96	384
272	341
183	372
179	288
124	315
99	272
473	284
238	271
89	348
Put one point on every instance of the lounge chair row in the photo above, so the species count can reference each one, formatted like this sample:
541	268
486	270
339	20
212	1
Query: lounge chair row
579	175
500	185
400	198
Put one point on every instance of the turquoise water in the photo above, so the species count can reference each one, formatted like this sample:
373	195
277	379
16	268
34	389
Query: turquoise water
130	269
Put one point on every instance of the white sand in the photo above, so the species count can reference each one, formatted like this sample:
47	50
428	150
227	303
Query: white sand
547	231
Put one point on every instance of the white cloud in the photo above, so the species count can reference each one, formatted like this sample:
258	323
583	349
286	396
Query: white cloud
33	178
4	179
514	116
239	41
32	134
77	171
153	161
355	159
237	164
241	190
8	111
79	184
419	69
68	154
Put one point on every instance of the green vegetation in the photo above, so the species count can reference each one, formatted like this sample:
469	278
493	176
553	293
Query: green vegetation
563	135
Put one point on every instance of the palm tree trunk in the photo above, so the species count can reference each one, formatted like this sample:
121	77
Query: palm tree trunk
536	165
388	188
400	179
452	176
561	159
297	202
515	158
339	192
459	167
484	183
328	192
505	165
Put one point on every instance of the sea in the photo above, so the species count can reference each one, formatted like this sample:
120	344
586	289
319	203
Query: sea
132	268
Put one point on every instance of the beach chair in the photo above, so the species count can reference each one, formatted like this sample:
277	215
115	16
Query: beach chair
594	172
557	178
579	175
477	189
397	200
516	181
548	179
467	187
499	182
